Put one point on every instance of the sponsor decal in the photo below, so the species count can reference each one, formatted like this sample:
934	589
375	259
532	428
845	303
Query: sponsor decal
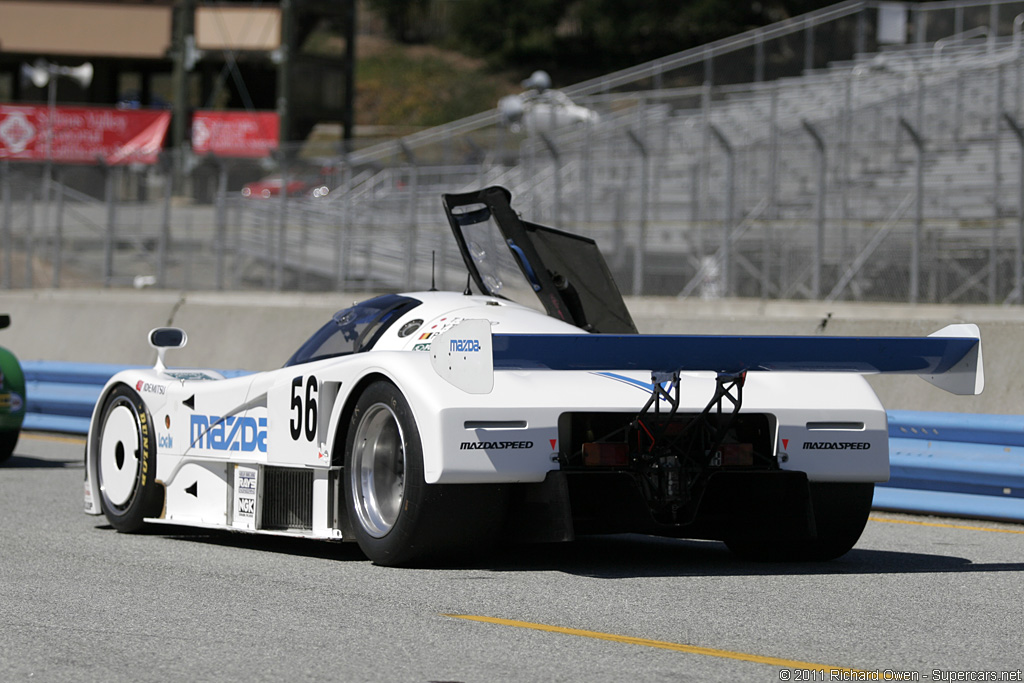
244	434
465	345
150	388
164	441
246	482
836	445
144	429
246	507
421	347
245	491
11	401
494	445
785	444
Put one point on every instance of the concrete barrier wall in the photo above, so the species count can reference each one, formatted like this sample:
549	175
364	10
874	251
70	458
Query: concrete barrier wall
259	331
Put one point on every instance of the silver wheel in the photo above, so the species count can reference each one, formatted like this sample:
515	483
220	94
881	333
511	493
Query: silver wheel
120	456
378	469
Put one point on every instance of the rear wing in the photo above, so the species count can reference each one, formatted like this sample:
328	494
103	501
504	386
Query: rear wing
467	355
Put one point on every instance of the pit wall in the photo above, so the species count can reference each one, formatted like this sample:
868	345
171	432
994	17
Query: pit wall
259	331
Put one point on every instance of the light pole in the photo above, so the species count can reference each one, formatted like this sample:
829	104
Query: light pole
42	74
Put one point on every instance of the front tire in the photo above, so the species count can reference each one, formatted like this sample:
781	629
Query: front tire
397	518
126	462
8	440
840	513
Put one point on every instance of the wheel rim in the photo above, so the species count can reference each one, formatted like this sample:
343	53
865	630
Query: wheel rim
378	469
120	456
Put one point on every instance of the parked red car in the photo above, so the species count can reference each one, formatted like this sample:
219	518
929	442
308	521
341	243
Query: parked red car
310	182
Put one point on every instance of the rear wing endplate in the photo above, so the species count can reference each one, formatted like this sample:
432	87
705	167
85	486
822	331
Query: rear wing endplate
467	355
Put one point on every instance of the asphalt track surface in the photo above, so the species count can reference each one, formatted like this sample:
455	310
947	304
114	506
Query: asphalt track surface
922	598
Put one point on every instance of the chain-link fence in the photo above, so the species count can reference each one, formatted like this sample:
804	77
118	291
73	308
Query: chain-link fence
863	173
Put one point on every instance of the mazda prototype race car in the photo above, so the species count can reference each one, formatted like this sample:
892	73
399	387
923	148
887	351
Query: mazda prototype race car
423	426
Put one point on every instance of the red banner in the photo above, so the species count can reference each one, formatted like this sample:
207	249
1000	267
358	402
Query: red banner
235	133
82	135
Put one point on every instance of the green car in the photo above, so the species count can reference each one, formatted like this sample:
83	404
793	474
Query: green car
12	398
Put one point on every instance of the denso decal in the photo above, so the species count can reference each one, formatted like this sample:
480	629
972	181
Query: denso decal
493	445
836	445
150	388
229	434
465	345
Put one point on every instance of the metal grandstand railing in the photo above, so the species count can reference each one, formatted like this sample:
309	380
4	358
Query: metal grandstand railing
801	160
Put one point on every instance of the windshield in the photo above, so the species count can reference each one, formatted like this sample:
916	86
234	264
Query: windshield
355	329
494	256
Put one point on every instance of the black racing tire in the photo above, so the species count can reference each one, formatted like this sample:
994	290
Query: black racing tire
125	463
841	511
396	517
8	440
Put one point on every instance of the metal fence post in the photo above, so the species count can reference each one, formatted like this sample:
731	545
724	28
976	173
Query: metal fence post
163	242
730	199
5	197
30	222
1018	256
819	235
993	253
588	173
768	235
110	236
639	256
556	160
58	228
282	224
410	253
341	229
915	246
222	219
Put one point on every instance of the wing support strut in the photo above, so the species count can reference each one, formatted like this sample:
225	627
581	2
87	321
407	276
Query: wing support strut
664	450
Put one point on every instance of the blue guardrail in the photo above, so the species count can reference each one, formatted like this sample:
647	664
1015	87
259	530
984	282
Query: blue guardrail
955	464
941	463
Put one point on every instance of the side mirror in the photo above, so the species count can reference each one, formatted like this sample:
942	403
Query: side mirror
5	321
163	338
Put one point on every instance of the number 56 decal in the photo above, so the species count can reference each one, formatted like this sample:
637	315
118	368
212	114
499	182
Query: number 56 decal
304	408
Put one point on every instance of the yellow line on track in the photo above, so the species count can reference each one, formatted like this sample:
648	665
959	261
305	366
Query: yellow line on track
661	644
944	526
79	440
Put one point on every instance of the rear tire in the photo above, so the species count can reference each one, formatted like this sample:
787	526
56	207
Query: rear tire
397	518
126	462
840	513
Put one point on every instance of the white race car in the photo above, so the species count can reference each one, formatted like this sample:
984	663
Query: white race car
424	426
